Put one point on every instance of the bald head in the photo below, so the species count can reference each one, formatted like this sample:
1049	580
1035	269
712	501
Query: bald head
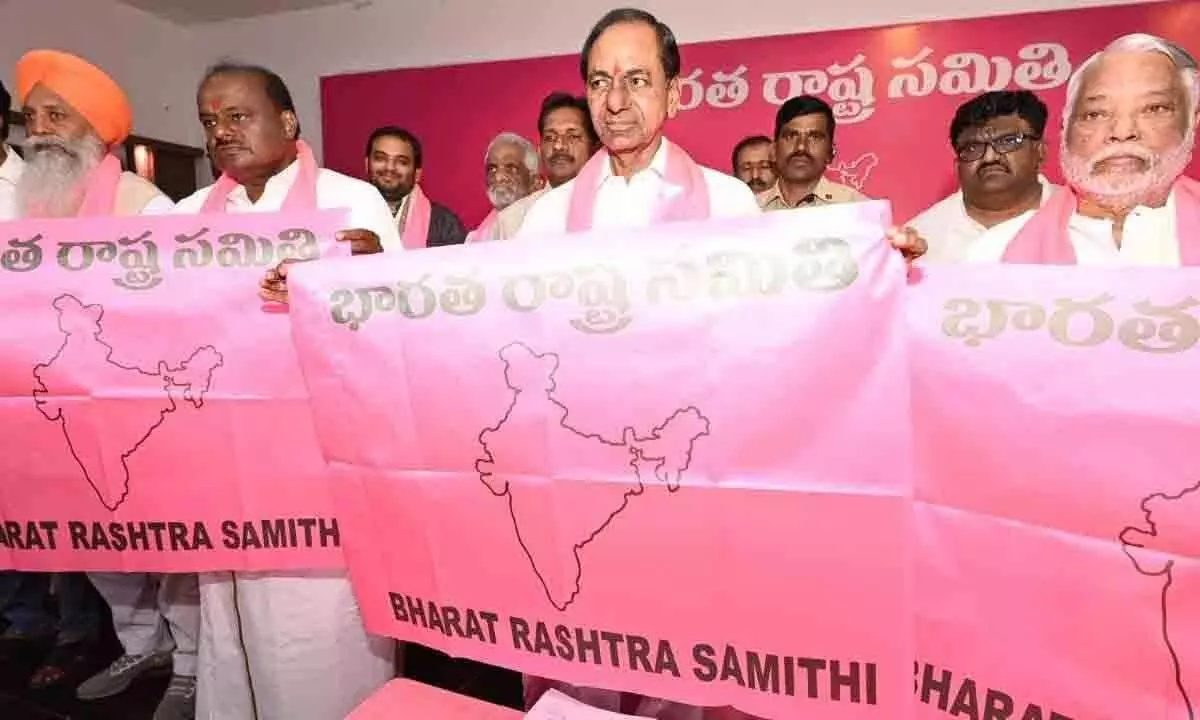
1129	123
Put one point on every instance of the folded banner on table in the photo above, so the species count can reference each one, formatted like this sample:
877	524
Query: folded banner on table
672	461
152	408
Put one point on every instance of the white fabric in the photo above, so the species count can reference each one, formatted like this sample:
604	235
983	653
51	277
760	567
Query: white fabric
159	205
10	173
368	209
154	613
950	231
291	646
631	204
1148	239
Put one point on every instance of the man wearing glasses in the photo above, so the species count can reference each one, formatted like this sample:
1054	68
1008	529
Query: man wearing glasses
999	148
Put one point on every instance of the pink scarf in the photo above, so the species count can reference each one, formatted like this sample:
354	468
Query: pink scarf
102	184
302	195
484	231
1045	238
416	220
681	172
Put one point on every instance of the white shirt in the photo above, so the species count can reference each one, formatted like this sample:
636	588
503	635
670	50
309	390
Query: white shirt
630	204
368	209
950	231
10	173
1148	239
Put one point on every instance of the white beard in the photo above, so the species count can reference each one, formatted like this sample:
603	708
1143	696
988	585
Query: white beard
52	183
1127	190
502	197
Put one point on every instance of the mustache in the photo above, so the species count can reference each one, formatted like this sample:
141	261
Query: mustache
994	164
801	154
562	156
1123	150
48	142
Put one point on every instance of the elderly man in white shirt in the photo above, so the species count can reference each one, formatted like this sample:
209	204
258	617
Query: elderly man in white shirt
511	175
630	65
278	645
1129	129
999	148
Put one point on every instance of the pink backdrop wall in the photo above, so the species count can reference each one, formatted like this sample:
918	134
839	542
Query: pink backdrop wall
895	90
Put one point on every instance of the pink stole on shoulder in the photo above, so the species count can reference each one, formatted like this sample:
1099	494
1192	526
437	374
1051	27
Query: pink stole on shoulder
682	174
415	233
301	196
483	233
100	198
1045	238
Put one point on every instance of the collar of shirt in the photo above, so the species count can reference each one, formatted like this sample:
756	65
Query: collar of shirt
820	195
273	194
10	169
400	211
656	169
1148	237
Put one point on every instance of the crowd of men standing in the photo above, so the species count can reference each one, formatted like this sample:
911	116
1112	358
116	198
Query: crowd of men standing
292	644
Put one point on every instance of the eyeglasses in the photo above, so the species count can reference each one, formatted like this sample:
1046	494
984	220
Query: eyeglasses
1003	145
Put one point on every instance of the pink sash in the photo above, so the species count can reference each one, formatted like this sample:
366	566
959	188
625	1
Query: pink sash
484	231
101	195
416	220
682	173
1045	238
302	195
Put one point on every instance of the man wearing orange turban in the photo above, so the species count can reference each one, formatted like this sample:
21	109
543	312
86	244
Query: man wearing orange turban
74	115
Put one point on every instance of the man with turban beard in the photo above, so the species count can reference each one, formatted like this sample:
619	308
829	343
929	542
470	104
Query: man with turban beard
1129	128
74	115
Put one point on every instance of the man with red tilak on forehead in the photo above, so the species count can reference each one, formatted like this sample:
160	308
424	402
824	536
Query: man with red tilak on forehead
1129	126
281	645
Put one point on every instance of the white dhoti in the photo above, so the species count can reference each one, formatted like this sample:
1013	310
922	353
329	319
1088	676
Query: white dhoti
277	646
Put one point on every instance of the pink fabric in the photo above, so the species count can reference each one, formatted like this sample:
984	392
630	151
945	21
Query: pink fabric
101	196
1045	240
302	196
681	172
416	223
484	231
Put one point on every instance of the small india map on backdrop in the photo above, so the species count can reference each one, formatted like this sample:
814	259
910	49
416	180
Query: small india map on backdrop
663	453
70	387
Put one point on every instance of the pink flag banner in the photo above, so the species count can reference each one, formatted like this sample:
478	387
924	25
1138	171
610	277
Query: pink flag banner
1056	421
152	408
673	461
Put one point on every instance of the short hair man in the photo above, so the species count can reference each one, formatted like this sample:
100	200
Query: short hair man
568	140
999	146
511	173
394	164
11	164
1129	130
753	162
256	661
630	64
804	147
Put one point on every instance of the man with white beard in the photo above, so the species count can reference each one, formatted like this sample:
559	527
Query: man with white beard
511	167
74	115
1129	128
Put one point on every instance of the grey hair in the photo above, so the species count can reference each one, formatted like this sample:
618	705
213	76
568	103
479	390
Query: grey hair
1189	74
532	161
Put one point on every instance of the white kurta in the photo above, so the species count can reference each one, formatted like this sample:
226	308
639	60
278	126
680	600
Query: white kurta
950	231
10	173
1148	239
291	646
631	203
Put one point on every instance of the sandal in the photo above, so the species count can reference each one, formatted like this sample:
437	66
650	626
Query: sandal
58	665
